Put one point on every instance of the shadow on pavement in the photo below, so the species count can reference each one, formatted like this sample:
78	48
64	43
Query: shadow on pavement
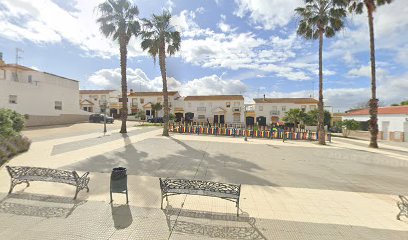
122	216
29	204
211	224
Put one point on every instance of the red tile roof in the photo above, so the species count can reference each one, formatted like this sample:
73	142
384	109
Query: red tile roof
286	100
214	97
95	91
144	94
381	110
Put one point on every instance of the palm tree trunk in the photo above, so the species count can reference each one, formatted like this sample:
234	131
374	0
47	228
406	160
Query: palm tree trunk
322	140
123	63
373	101
162	60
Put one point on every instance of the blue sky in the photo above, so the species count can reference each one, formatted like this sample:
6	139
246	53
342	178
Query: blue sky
244	47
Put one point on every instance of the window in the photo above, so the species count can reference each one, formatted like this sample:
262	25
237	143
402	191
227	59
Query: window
95	97
237	117
260	108
14	76
141	100
13	99
134	102
201	117
30	79
58	105
283	108
228	104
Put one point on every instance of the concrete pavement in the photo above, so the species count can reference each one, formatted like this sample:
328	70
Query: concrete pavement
291	190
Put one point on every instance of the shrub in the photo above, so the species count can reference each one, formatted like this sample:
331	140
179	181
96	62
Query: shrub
348	125
11	122
13	145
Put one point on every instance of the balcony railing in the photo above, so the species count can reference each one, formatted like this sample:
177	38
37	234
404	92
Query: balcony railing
201	109
274	112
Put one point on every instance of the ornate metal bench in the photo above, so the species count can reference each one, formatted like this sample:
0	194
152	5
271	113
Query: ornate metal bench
403	206
26	174
230	192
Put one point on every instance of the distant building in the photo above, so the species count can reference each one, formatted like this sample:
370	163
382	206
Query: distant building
392	121
143	101
215	108
96	101
272	110
45	98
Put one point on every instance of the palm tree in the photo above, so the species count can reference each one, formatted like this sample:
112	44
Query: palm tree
295	116
156	34
156	107
119	21
321	18
357	6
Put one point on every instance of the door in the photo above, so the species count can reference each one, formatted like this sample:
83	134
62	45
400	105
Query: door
406	131
178	116
250	121
261	121
222	119
384	129
215	118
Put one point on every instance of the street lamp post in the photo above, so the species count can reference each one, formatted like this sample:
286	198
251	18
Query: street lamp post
103	106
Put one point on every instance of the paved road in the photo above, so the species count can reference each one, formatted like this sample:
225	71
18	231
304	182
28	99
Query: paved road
291	190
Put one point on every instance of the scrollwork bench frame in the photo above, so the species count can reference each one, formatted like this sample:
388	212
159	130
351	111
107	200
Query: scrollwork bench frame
21	174
227	191
403	206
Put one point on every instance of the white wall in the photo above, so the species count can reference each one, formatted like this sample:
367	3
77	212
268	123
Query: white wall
38	97
396	121
174	101
211	105
281	108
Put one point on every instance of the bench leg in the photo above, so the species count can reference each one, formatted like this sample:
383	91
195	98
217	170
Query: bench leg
399	216
111	200
237	205
12	185
127	199
76	193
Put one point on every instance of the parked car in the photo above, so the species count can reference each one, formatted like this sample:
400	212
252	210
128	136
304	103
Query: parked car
155	120
98	118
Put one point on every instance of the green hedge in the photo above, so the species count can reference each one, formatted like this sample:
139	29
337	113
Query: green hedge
11	146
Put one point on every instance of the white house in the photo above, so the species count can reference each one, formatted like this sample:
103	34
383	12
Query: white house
94	101
44	98
392	121
272	110
144	100
215	109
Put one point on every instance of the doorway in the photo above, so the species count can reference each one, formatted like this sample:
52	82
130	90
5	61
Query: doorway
384	128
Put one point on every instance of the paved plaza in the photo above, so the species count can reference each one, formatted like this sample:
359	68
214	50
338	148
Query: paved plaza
290	190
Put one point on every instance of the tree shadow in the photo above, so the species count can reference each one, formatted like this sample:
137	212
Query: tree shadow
30	207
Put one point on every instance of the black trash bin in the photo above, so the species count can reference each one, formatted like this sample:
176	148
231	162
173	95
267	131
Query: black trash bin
118	183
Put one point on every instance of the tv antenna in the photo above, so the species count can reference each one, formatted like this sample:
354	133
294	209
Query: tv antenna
18	57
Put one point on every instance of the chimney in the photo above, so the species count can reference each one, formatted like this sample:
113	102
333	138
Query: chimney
131	90
1	59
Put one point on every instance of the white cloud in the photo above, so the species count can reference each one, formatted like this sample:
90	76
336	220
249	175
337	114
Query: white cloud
45	22
139	81
267	13
365	71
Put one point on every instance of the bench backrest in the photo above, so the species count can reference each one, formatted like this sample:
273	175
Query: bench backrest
47	174
200	187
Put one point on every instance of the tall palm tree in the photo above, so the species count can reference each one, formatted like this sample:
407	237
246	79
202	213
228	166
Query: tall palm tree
357	6
158	33
119	21
318	19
